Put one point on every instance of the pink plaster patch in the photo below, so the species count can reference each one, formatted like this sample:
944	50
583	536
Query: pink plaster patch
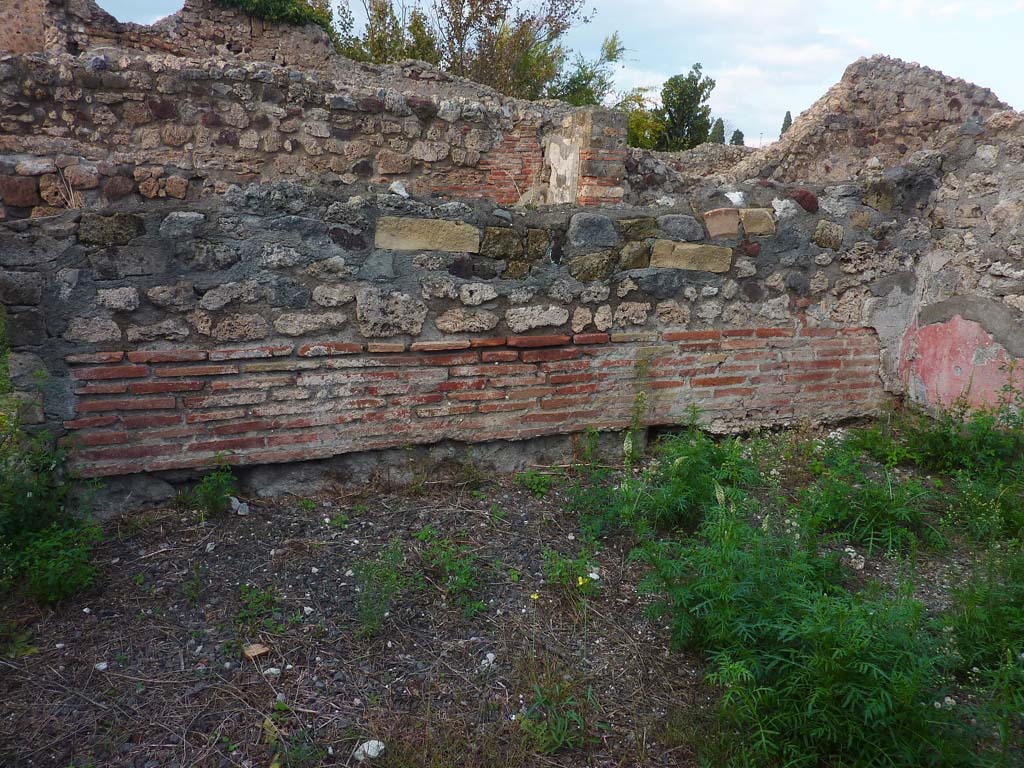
942	361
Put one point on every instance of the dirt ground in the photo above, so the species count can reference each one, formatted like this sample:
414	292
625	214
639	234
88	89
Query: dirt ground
147	669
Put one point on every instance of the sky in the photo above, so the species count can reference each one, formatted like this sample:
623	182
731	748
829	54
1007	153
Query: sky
769	56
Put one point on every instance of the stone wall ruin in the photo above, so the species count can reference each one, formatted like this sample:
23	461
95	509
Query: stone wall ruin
204	247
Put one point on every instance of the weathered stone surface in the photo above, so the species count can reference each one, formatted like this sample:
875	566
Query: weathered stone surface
595	293
439	288
92	330
36	166
116	229
537	243
389	162
757	221
179	297
635	256
181	225
475	294
333	295
463	321
603	317
706	258
382	314
581	318
223	295
301	323
402	234
501	243
631	313
20	287
722	223
19	191
592	266
670	312
165	330
277	256
805	199
677	226
118	299
241	328
520	319
639	229
829	235
81	177
592	230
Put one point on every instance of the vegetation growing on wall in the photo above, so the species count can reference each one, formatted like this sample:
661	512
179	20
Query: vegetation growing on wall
45	551
299	12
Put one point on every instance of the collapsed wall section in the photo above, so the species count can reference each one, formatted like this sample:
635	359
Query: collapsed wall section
288	322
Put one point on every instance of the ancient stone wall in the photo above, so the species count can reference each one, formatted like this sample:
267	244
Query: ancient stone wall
22	28
95	129
960	331
880	113
288	321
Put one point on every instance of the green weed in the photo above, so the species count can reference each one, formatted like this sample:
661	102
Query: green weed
456	567
380	581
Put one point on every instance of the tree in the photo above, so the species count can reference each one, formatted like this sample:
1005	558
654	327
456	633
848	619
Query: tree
737	138
589	82
787	121
685	111
646	124
717	132
513	46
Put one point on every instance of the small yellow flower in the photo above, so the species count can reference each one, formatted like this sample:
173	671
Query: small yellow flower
580	581
535	596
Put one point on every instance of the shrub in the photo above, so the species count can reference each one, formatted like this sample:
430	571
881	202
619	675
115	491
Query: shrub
812	675
33	490
55	563
876	509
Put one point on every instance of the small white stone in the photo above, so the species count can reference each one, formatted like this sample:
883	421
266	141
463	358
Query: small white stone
398	188
211	546
368	750
487	662
101	666
272	672
307	610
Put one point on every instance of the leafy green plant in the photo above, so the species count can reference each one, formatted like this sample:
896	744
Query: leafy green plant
536	482
456	566
989	507
559	715
987	615
260	610
675	491
575	577
380	581
57	563
879	511
811	674
213	493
